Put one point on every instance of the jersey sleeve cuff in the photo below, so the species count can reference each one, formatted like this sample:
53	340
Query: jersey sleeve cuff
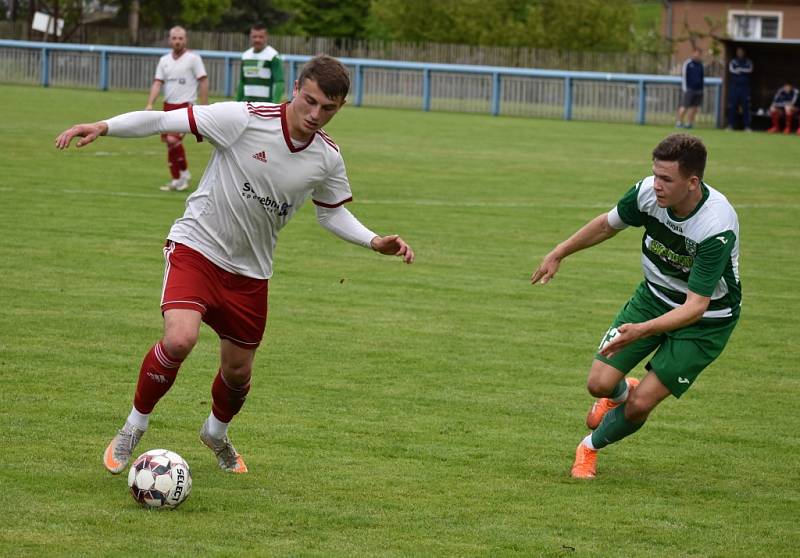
193	124
615	221
332	205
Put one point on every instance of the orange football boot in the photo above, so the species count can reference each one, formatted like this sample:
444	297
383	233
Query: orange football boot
585	466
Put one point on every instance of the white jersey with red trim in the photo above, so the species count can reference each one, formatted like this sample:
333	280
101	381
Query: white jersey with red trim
180	76
256	180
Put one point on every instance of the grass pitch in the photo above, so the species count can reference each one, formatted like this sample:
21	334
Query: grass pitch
396	410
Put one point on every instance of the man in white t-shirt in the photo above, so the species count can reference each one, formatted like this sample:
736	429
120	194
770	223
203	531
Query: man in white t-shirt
268	159
184	78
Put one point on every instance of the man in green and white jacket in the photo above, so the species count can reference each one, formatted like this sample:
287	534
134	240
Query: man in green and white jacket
261	74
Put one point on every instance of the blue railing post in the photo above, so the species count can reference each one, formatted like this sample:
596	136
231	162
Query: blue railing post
567	98
104	70
642	102
228	84
495	93
45	68
426	89
359	84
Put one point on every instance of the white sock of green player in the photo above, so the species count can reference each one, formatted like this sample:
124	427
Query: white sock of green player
587	441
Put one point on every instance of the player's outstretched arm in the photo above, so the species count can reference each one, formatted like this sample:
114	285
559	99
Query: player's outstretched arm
136	124
547	268
87	132
393	245
343	224
594	232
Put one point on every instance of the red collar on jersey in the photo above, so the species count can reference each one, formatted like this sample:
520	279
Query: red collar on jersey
287	137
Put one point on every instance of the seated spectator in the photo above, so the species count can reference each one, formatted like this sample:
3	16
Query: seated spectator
783	104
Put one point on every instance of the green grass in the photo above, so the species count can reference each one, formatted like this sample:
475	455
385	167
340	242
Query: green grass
425	410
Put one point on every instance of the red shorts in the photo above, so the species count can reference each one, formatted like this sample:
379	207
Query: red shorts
233	305
168	107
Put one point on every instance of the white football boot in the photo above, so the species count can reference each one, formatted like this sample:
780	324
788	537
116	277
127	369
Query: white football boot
227	456
121	447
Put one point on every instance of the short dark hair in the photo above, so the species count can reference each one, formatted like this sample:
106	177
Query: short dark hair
330	74
258	26
688	151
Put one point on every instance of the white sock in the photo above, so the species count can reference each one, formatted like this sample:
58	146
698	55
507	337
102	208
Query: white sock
587	441
139	420
186	174
216	428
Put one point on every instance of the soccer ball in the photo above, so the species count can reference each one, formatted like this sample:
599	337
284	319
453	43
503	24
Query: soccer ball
160	478
608	338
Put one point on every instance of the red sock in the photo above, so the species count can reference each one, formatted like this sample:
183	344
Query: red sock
776	119
176	157
181	158
156	376
226	399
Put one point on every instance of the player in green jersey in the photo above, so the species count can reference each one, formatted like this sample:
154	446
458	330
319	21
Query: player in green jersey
261	74
685	309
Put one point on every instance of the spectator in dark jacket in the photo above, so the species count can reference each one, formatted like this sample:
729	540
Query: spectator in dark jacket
692	88
739	71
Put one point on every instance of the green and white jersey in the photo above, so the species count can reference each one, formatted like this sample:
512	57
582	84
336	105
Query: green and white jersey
699	252
261	76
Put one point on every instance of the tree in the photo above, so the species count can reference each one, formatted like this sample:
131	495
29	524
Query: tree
557	24
599	25
325	18
203	13
244	13
450	21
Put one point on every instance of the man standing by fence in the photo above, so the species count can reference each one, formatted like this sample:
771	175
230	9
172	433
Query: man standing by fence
740	69
261	74
184	78
692	90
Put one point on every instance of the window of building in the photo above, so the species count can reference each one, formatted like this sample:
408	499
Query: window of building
755	25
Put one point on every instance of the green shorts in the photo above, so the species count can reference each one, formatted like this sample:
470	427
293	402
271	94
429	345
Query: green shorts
680	355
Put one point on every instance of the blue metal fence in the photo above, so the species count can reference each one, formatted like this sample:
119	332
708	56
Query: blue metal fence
601	96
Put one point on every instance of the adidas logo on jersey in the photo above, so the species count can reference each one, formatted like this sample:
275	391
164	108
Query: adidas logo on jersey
260	156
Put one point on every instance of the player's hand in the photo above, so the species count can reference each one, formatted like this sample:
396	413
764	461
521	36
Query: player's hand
626	334
546	270
87	132
393	245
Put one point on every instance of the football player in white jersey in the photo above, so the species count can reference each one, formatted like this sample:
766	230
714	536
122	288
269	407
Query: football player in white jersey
268	160
184	79
685	309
